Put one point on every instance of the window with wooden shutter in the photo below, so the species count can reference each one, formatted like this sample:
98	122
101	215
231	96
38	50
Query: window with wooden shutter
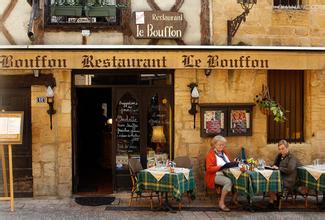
287	88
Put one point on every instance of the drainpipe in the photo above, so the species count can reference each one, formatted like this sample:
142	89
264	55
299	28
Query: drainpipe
34	15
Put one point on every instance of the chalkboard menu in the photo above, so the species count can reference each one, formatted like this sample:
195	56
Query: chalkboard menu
128	125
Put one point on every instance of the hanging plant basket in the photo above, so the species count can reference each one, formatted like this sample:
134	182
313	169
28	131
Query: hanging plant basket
269	106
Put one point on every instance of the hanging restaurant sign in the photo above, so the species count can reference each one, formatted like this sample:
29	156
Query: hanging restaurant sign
158	25
160	59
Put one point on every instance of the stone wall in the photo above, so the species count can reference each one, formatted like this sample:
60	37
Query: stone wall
51	150
236	86
268	26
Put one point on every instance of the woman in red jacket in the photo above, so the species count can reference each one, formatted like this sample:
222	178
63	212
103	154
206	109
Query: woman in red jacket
215	159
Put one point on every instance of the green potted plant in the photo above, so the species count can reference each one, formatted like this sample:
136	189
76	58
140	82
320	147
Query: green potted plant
66	8
101	8
268	106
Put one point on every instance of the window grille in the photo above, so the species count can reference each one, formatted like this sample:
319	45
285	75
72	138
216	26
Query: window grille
287	88
82	13
287	4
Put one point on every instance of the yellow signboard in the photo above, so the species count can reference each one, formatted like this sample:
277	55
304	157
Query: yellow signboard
161	59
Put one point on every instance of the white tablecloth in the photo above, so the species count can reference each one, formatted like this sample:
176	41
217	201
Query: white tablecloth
315	171
159	172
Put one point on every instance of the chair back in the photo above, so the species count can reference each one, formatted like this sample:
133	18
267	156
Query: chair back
135	165
183	161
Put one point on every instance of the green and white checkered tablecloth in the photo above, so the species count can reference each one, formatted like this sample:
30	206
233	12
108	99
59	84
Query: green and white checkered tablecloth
170	182
251	183
307	180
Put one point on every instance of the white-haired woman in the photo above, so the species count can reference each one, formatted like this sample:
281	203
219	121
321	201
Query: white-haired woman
215	160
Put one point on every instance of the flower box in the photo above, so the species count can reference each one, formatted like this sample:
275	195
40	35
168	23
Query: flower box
100	11
66	10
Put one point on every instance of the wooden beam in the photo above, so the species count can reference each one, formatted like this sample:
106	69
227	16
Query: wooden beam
25	81
205	23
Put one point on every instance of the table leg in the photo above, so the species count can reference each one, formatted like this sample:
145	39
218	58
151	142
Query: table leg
165	205
250	204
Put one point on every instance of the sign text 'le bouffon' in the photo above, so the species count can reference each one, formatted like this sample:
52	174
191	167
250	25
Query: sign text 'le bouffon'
158	25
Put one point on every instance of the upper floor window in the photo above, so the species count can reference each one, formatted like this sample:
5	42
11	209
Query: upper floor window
82	13
287	4
287	88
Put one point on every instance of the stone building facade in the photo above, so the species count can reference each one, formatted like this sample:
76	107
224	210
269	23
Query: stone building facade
265	26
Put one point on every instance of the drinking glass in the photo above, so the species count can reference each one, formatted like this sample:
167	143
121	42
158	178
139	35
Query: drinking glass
316	162
261	164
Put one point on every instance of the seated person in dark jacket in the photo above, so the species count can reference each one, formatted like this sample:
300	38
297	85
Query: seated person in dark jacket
287	163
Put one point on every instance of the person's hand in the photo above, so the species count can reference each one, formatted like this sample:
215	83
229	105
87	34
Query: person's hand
275	167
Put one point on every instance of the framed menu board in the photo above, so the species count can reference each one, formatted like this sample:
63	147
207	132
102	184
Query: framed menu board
213	121
128	126
240	121
11	127
226	119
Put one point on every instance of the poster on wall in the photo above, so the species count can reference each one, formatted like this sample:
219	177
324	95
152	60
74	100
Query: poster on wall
212	122
11	127
239	121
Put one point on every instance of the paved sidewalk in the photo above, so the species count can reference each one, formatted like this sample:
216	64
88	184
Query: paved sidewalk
67	209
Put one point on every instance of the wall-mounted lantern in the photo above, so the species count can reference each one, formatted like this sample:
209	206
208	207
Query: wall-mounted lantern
233	25
194	99
50	102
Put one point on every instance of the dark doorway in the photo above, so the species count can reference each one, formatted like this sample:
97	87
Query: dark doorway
94	140
138	101
18	99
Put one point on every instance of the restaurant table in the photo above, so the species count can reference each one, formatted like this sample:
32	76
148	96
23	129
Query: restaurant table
313	178
251	183
176	182
308	180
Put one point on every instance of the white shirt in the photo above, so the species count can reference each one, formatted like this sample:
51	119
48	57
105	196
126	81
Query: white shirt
220	161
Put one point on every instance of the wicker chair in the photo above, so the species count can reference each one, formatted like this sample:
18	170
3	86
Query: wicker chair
183	161
135	167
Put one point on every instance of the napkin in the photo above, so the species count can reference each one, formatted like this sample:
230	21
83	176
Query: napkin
316	173
157	173
185	171
235	172
266	173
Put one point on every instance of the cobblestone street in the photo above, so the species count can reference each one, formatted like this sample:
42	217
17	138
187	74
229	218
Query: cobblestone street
68	209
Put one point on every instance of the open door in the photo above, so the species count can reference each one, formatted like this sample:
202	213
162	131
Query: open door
92	141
